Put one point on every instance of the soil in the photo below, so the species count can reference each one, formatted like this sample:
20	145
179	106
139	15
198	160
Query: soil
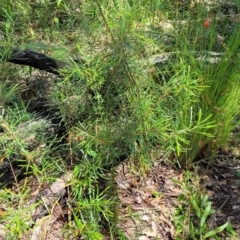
144	214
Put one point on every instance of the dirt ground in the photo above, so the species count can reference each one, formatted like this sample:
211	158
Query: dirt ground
147	205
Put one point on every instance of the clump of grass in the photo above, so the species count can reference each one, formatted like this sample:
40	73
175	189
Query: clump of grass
223	92
218	99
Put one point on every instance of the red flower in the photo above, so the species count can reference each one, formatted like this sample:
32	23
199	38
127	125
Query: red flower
206	24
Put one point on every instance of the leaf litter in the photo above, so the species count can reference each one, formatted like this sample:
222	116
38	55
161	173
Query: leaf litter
147	206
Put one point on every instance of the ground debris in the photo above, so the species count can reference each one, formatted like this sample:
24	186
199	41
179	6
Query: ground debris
221	181
147	205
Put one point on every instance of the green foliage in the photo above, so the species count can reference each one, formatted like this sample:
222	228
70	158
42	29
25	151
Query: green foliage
117	104
192	216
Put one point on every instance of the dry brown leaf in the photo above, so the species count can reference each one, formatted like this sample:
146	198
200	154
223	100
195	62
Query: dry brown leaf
133	182
175	190
210	193
150	189
155	202
163	219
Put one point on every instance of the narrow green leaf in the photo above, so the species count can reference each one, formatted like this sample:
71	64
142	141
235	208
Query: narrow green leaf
230	229
59	3
215	231
195	206
204	200
199	116
206	213
56	21
178	148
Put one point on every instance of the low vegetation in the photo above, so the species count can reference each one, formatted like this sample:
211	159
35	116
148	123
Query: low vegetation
159	78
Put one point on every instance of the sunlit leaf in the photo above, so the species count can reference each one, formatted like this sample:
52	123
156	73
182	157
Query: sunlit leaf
215	231
206	213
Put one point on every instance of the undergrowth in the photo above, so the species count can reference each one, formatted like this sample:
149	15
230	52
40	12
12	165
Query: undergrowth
117	104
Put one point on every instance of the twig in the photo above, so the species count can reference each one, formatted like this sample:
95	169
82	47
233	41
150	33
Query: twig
215	213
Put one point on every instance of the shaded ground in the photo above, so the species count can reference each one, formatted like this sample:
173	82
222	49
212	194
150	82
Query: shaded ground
147	205
222	182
